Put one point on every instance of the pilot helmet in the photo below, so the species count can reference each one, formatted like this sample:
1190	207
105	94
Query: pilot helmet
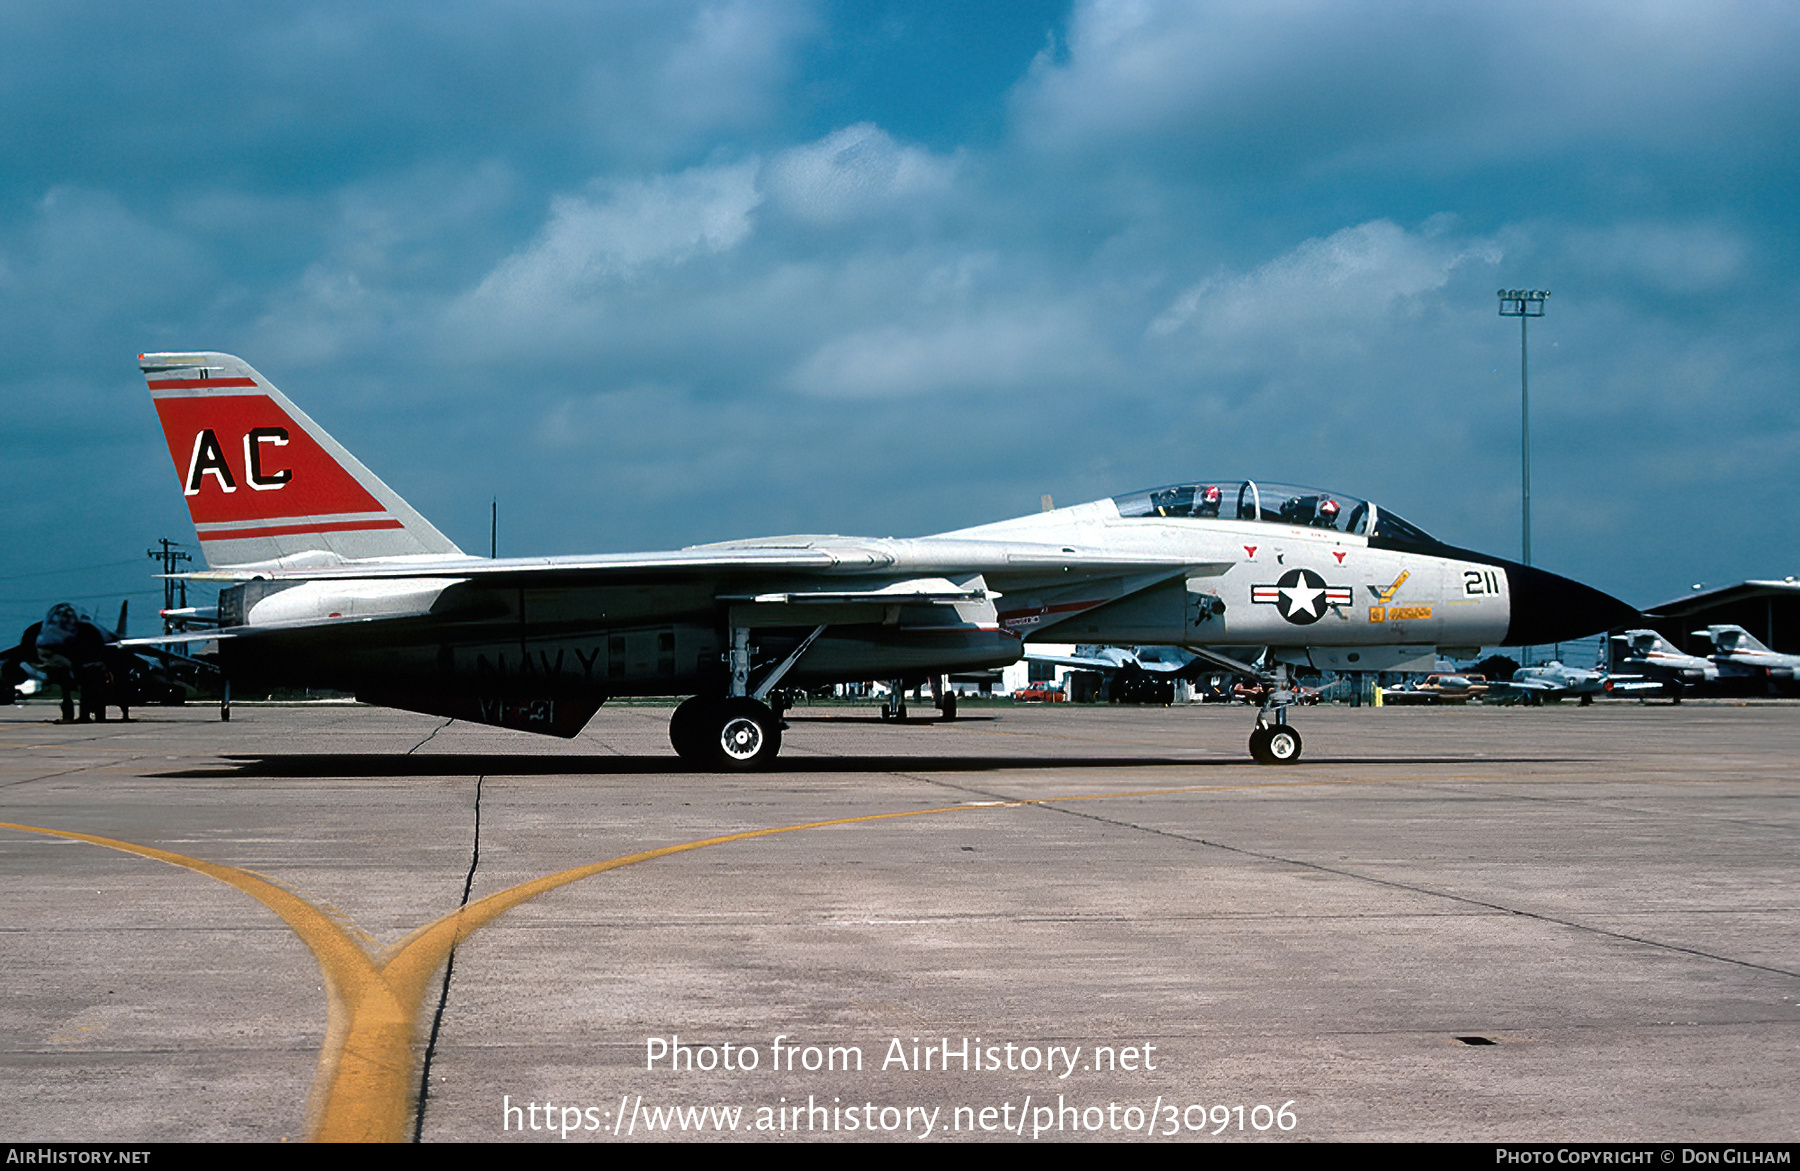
1328	512
1210	494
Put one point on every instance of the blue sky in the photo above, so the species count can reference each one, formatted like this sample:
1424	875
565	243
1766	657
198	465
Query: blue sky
655	274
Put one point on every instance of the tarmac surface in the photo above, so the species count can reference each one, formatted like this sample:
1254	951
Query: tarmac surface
1555	924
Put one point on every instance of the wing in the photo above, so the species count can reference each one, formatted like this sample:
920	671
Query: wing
886	561
1518	687
1634	685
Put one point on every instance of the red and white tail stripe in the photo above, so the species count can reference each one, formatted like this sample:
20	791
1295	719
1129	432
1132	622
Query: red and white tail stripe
264	482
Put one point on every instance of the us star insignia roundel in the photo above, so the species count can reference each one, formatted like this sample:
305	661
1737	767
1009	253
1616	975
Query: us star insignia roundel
1302	596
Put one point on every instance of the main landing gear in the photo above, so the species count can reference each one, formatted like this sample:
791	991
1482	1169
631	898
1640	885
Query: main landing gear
945	698
894	707
738	731
730	733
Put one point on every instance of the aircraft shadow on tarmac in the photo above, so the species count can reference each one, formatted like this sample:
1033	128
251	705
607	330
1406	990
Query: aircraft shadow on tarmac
463	764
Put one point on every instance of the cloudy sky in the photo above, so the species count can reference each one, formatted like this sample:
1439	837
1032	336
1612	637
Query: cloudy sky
661	273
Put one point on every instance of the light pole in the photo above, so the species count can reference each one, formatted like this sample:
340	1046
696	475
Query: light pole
1524	304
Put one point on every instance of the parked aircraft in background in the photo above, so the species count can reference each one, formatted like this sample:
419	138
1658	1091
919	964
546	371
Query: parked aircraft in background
1438	689
1132	674
1737	653
72	651
335	581
1554	681
1647	653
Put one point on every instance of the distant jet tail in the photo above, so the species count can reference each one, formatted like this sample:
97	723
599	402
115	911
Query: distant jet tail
1732	639
264	483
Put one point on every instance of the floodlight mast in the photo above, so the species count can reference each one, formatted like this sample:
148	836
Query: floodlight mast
1524	304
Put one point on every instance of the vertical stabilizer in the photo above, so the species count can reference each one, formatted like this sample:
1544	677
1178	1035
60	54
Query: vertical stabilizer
264	482
1734	640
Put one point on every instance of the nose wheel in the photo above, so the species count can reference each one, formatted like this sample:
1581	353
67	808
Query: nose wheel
1275	744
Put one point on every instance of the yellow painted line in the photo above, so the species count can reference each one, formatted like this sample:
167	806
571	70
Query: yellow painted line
79	746
371	1101
363	1090
350	978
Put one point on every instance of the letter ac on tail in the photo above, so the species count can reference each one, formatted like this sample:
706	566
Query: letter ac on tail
262	481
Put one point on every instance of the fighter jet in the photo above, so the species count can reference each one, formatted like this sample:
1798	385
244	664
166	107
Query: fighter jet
332	580
1649	654
1554	681
1737	653
73	651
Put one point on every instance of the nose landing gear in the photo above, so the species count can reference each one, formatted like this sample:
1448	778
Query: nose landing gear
1275	744
1271	741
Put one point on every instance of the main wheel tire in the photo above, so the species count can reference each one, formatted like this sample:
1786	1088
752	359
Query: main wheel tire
949	706
690	729
745	735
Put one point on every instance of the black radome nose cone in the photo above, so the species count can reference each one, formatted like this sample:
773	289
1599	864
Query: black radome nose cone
1547	608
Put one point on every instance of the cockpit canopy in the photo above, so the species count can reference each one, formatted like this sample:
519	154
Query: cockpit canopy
1269	502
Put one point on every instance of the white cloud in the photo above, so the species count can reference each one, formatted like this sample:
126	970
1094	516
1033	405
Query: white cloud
1337	80
857	171
727	70
1359	274
1001	350
1675	258
623	229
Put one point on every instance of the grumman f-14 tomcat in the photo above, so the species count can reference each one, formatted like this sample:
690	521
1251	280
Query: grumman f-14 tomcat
333	581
